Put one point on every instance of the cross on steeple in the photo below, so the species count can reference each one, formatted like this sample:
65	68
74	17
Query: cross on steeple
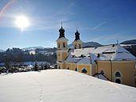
61	24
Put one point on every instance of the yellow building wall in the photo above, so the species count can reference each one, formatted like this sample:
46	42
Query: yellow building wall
71	66
61	56
77	43
104	66
87	66
61	65
126	68
64	55
60	44
94	69
58	56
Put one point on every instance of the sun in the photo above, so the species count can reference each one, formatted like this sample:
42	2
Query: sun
22	22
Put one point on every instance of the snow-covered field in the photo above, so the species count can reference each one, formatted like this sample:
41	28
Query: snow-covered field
61	86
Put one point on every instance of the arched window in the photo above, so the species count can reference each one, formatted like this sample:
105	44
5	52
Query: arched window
118	77
59	67
64	45
84	70
75	46
79	46
68	68
118	81
58	45
117	74
75	69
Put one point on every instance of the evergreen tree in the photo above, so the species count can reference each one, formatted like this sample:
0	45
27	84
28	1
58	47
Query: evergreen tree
36	67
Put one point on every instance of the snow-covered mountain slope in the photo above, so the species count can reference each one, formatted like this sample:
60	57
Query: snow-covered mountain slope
33	48
133	41
61	86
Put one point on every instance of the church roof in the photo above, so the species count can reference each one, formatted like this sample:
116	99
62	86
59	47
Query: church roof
72	59
89	55
85	60
123	56
83	51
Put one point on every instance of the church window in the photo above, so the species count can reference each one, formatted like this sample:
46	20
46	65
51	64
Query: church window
98	55
79	46
118	81
68	68
84	70
58	45
75	46
118	77
117	74
75	69
64	45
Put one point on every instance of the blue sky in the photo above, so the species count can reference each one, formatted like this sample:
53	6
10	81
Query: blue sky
103	21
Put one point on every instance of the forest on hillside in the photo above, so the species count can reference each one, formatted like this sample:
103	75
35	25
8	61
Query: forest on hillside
18	55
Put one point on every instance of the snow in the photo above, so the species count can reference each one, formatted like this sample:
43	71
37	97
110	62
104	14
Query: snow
61	86
100	76
84	51
71	59
109	52
85	60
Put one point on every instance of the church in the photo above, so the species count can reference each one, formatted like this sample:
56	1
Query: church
110	62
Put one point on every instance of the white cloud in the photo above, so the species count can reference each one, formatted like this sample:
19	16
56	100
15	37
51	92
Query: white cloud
98	26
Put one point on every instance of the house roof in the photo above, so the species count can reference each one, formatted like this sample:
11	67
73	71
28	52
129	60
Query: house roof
100	76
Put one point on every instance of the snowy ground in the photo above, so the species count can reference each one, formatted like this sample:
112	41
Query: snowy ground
61	86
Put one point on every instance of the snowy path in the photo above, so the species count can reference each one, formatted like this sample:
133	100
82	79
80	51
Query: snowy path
61	86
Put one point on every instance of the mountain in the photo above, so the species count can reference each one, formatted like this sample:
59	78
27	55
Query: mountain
33	48
129	42
91	44
130	45
61	86
1	50
88	44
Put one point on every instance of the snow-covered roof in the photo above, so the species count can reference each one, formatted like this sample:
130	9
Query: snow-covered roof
110	52
100	76
84	51
61	86
123	56
72	59
85	60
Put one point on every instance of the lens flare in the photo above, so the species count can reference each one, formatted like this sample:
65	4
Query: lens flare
22	22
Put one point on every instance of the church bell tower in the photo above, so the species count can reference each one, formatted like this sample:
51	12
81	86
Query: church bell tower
77	43
62	49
